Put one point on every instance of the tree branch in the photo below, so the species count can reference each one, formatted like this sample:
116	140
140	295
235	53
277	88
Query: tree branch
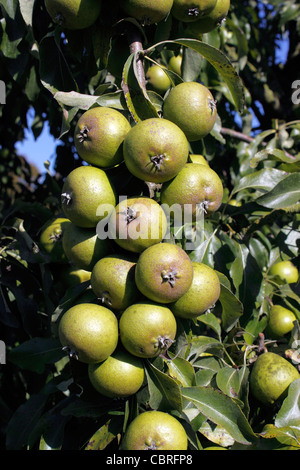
237	135
246	138
136	46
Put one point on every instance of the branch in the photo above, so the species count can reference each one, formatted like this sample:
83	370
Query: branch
237	135
136	46
246	138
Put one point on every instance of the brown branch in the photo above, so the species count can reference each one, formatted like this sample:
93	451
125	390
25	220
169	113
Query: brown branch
136	46
246	138
237	135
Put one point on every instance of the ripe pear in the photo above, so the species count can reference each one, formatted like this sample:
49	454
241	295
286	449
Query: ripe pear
270	378
99	136
87	196
147	12
89	332
71	276
137	223
156	431
210	21
198	158
192	107
51	239
73	14
164	272
113	282
281	321
191	10
155	150
83	247
147	329
285	271
175	64
157	79
196	188
202	295
120	375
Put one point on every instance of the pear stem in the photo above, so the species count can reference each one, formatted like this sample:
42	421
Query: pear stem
261	344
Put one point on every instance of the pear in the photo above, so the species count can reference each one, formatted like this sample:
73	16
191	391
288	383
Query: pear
73	14
270	378
89	332
196	119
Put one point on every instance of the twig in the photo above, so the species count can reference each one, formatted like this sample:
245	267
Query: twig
238	135
246	138
136	46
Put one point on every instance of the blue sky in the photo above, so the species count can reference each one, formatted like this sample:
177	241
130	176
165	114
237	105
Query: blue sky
42	149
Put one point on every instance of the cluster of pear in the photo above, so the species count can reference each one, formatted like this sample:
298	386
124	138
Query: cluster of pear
80	14
140	280
144	278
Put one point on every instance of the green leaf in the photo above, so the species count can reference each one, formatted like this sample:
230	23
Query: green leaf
251	149
82	101
26	7
289	436
191	64
51	427
289	413
10	38
181	370
232	308
35	353
204	377
79	408
23	421
289	12
216	434
106	434
201	253
241	41
284	194
164	391
136	96
230	380
223	411
247	278
204	344
264	180
74	99
55	73
11	7
220	62
209	319
277	154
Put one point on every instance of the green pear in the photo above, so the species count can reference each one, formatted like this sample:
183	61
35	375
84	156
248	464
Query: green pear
270	378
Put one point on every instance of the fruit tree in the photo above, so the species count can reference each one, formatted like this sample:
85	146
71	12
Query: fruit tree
149	283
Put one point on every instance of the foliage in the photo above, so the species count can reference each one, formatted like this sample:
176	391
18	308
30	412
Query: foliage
46	399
